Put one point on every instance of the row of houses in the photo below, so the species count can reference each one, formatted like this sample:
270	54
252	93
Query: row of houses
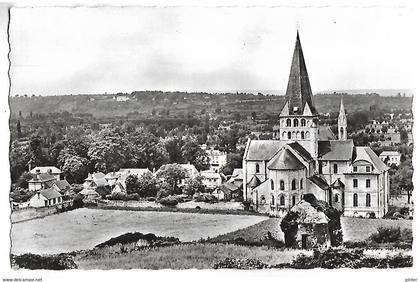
50	188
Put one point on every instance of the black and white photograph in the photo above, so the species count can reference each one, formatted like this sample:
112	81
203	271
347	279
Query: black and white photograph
266	138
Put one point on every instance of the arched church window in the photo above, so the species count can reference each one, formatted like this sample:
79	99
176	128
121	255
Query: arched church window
293	200
294	135
294	184
257	168
288	122
272	199
335	168
262	199
281	200
289	135
368	200
295	122
303	122
302	135
341	131
272	184
336	198
355	200
301	183
307	134
281	185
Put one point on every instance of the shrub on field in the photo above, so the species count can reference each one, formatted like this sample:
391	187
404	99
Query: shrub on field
386	235
338	258
151	199
241	263
170	201
52	262
162	193
206	198
149	239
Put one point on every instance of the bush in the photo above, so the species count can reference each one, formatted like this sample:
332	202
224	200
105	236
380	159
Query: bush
162	193
337	258
151	199
247	204
118	196
206	198
52	262
241	263
386	235
150	238
169	201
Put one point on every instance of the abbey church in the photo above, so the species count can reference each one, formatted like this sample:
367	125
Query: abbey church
309	158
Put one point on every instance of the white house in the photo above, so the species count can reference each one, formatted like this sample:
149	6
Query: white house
211	179
217	159
46	198
390	157
41	181
51	170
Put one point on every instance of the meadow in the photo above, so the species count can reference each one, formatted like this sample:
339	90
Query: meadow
198	255
84	228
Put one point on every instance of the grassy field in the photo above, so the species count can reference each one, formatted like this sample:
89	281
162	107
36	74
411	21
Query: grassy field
84	228
199	256
359	229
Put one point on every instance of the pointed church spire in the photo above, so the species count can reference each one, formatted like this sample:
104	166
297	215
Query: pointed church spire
342	122
299	89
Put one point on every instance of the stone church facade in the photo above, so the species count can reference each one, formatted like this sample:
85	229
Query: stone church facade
309	158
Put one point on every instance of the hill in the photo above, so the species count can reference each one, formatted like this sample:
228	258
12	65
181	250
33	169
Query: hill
146	103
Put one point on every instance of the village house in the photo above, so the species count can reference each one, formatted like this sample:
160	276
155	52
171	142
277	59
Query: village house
122	174
217	159
226	192
51	170
41	181
46	198
309	158
95	180
236	177
211	179
390	157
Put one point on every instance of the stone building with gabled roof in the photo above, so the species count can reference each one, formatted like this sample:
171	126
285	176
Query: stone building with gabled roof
309	158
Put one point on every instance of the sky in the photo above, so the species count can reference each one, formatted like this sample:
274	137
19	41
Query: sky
59	51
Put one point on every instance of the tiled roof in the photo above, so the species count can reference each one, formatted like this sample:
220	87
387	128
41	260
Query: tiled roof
318	181
366	154
254	182
337	184
285	160
100	182
46	169
50	193
42	177
62	184
301	151
259	150
236	171
335	150
325	133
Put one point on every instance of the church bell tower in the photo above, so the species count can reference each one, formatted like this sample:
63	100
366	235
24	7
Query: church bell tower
342	123
299	118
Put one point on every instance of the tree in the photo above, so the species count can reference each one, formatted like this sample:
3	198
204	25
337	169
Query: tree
75	168
174	148
384	129
19	130
405	177
147	185
233	161
132	184
192	153
403	136
194	185
173	174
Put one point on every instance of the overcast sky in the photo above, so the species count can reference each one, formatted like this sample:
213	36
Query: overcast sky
97	50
